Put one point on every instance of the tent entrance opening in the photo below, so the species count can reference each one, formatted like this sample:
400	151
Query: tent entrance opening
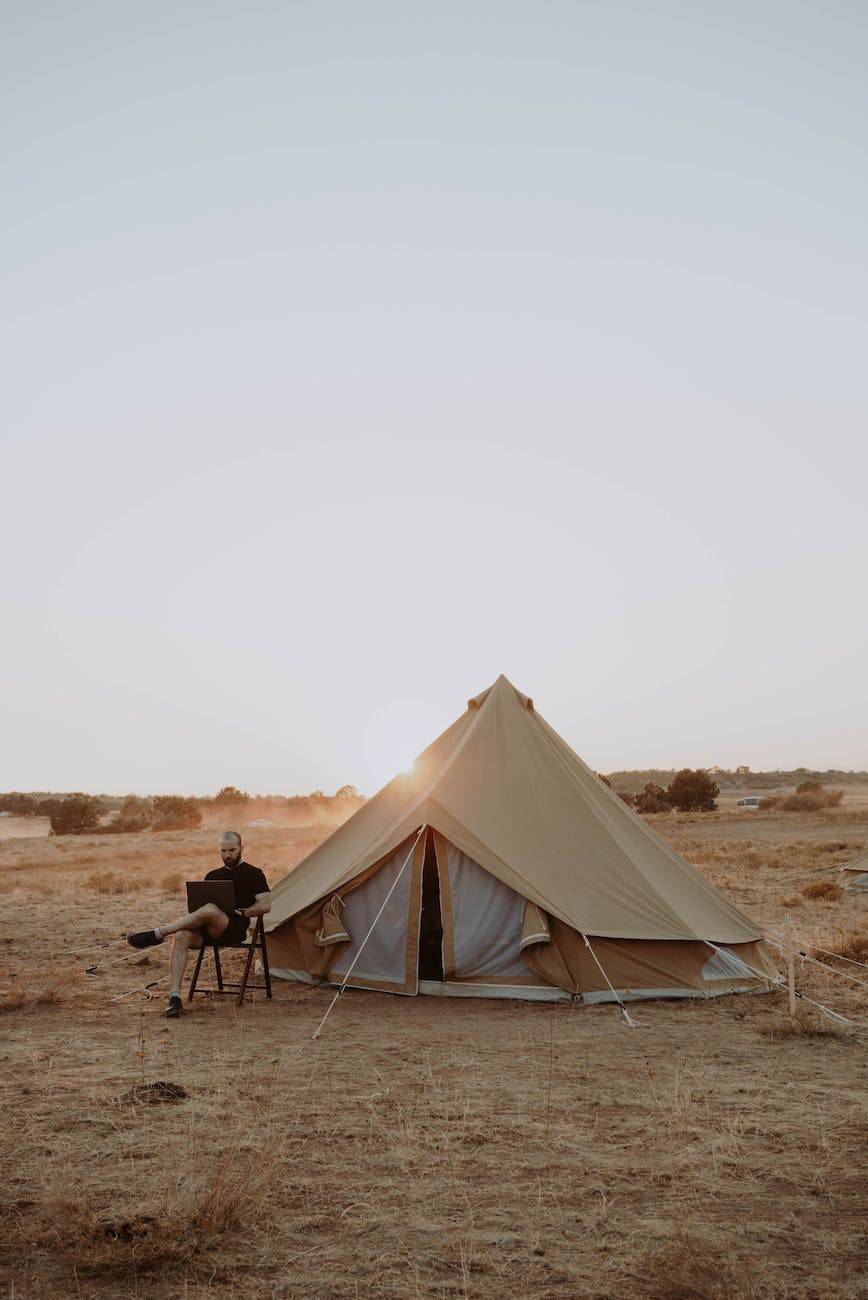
431	924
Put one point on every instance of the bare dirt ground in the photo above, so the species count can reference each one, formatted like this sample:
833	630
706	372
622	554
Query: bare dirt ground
424	1147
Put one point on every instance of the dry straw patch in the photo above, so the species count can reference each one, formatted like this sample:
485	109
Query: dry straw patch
33	990
29	997
690	1267
109	882
852	945
825	889
179	1234
807	1024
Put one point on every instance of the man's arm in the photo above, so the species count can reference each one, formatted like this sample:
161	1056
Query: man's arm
259	908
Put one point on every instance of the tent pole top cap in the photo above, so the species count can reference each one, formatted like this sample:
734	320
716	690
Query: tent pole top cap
502	685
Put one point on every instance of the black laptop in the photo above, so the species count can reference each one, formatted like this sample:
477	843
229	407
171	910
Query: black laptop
221	892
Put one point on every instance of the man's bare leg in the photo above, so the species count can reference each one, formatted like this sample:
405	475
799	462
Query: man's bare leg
208	921
184	941
210	918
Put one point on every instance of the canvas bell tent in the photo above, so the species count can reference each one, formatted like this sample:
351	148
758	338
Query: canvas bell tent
856	875
501	866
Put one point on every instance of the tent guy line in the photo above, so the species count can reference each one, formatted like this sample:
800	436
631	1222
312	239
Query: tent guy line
816	947
806	956
630	1021
319	1027
779	982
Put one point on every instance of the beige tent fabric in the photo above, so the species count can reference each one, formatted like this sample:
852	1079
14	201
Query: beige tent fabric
856	874
634	964
332	928
502	786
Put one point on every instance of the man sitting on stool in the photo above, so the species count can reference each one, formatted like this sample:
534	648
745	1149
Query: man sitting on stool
210	922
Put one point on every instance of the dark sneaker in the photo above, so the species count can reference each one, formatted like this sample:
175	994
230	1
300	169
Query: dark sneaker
143	939
173	1008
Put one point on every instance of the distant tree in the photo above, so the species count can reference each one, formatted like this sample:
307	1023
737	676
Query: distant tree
347	792
175	812
809	787
231	794
652	798
76	815
22	805
628	798
47	807
691	789
136	814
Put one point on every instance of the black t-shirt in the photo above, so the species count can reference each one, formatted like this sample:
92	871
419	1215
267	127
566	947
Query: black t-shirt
248	881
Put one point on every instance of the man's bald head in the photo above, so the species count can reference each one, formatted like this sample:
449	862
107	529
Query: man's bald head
230	848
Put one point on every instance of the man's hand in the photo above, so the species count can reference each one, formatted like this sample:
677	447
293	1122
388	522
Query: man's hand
241	911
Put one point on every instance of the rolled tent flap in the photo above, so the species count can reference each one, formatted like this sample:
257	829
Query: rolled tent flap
332	928
535	927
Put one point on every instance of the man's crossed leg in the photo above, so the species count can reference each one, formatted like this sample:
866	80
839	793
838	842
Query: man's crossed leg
209	921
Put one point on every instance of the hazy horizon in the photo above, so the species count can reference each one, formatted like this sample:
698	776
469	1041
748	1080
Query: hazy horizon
311	791
356	355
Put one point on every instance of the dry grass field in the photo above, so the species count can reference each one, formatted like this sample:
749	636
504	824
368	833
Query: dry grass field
424	1147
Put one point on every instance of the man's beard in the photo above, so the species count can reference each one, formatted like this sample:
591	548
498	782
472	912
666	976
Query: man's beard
232	862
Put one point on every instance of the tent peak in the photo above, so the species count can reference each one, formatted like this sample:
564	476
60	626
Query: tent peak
502	685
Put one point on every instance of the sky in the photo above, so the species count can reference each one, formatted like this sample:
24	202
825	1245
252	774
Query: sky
357	353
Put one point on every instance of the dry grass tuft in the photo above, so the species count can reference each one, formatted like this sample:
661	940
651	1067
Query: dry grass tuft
155	1094
792	900
689	1268
853	945
823	889
185	1235
29	997
172	882
109	882
806	1025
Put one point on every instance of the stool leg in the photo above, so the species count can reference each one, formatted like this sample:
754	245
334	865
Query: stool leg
217	968
263	949
195	978
247	965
